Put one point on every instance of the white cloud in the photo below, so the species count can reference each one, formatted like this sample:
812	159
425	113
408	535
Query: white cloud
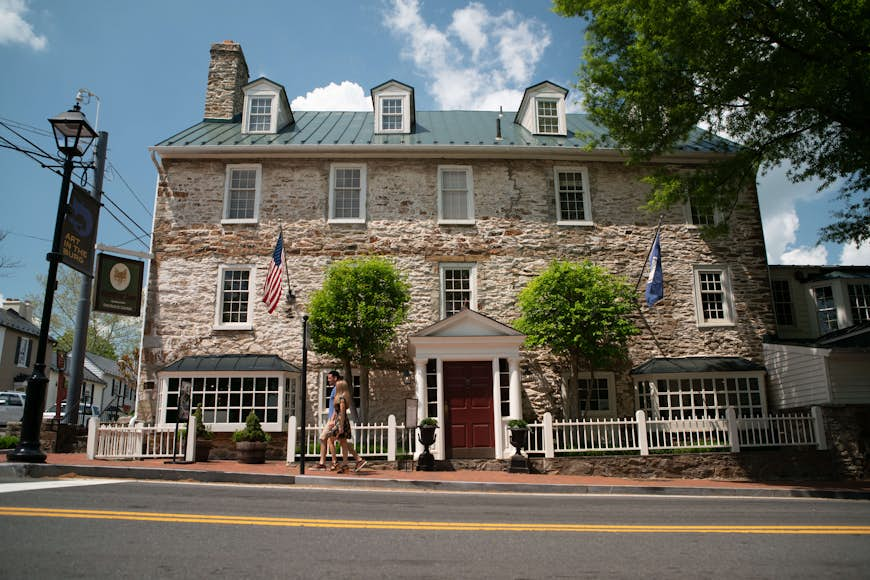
479	60
779	233
851	255
14	29
346	96
806	256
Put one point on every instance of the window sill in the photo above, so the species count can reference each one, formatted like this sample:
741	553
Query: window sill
239	221
723	324
575	223
457	222
346	221
233	327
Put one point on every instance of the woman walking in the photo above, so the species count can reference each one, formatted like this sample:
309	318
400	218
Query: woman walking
342	429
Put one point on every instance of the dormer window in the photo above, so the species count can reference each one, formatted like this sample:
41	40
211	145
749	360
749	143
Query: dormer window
542	110
260	114
548	116
394	108
391	113
266	107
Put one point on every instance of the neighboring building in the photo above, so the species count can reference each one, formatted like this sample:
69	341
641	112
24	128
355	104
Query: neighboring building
110	390
820	354
469	206
19	338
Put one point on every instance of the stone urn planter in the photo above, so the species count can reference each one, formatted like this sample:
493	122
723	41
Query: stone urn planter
426	436
519	431
251	441
202	450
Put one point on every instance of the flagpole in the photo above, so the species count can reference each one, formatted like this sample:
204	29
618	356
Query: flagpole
646	262
284	260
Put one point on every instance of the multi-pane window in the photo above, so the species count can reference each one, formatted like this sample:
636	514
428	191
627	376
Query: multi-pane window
826	309
782	303
594	396
391	113
859	301
289	398
347	193
700	397
457	288
234	297
260	114
455	195
22	351
701	215
548	116
227	400
242	193
713	296
431	388
572	196
504	385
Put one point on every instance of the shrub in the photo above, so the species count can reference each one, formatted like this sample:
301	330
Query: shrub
517	424
8	442
429	422
202	431
253	431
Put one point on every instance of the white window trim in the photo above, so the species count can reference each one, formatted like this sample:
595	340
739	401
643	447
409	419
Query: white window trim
363	186
469	182
560	113
257	193
219	298
25	348
472	281
687	213
727	298
273	116
587	197
406	112
611	392
840	293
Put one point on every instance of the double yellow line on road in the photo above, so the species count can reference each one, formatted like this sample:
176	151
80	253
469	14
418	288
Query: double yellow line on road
428	526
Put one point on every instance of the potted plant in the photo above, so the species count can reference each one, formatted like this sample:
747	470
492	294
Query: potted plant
251	441
204	437
519	439
426	462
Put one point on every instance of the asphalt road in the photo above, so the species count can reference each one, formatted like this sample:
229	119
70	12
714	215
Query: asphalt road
112	529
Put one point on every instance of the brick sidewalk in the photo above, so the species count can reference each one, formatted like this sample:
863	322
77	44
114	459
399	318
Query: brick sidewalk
379	470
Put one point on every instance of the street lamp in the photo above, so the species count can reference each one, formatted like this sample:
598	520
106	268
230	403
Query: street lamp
73	135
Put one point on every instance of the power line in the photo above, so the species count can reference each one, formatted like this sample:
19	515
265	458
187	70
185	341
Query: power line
130	189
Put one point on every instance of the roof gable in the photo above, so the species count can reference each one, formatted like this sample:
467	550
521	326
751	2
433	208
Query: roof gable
468	322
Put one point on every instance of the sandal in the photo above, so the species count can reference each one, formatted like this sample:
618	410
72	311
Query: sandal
333	467
320	465
360	464
344	467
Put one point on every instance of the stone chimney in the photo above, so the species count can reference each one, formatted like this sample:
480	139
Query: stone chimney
24	308
227	74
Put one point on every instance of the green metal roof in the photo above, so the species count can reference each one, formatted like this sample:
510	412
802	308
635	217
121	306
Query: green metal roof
231	362
432	128
696	364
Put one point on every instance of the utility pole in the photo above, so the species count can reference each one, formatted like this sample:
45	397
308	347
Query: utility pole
80	338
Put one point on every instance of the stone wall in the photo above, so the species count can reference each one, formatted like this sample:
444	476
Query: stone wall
515	236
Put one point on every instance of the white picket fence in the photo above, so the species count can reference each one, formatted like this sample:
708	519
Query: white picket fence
546	437
550	438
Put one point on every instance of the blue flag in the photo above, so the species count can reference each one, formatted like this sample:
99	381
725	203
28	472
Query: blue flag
655	287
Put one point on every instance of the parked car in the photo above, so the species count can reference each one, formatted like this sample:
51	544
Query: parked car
11	407
85	412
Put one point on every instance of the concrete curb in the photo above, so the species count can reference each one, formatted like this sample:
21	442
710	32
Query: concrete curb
42	470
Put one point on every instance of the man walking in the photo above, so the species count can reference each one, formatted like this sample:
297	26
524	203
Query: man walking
326	439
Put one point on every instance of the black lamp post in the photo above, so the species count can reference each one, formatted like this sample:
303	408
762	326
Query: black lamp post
73	135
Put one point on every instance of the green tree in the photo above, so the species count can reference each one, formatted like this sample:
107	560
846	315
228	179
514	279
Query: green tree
788	80
354	316
108	334
581	312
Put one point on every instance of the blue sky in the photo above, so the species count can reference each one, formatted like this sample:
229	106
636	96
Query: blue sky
147	62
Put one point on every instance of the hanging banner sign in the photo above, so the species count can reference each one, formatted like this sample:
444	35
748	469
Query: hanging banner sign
119	285
79	231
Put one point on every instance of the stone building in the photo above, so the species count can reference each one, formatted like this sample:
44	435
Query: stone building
469	206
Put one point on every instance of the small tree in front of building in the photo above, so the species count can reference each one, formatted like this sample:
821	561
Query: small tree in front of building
354	316
581	313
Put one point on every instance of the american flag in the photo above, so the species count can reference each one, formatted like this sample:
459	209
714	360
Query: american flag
272	288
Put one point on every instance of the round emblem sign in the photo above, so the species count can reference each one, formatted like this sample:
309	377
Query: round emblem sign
120	277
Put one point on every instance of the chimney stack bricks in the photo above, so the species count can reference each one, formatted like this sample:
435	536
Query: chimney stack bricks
227	74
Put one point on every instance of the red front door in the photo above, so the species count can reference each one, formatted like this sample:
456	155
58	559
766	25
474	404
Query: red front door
468	394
